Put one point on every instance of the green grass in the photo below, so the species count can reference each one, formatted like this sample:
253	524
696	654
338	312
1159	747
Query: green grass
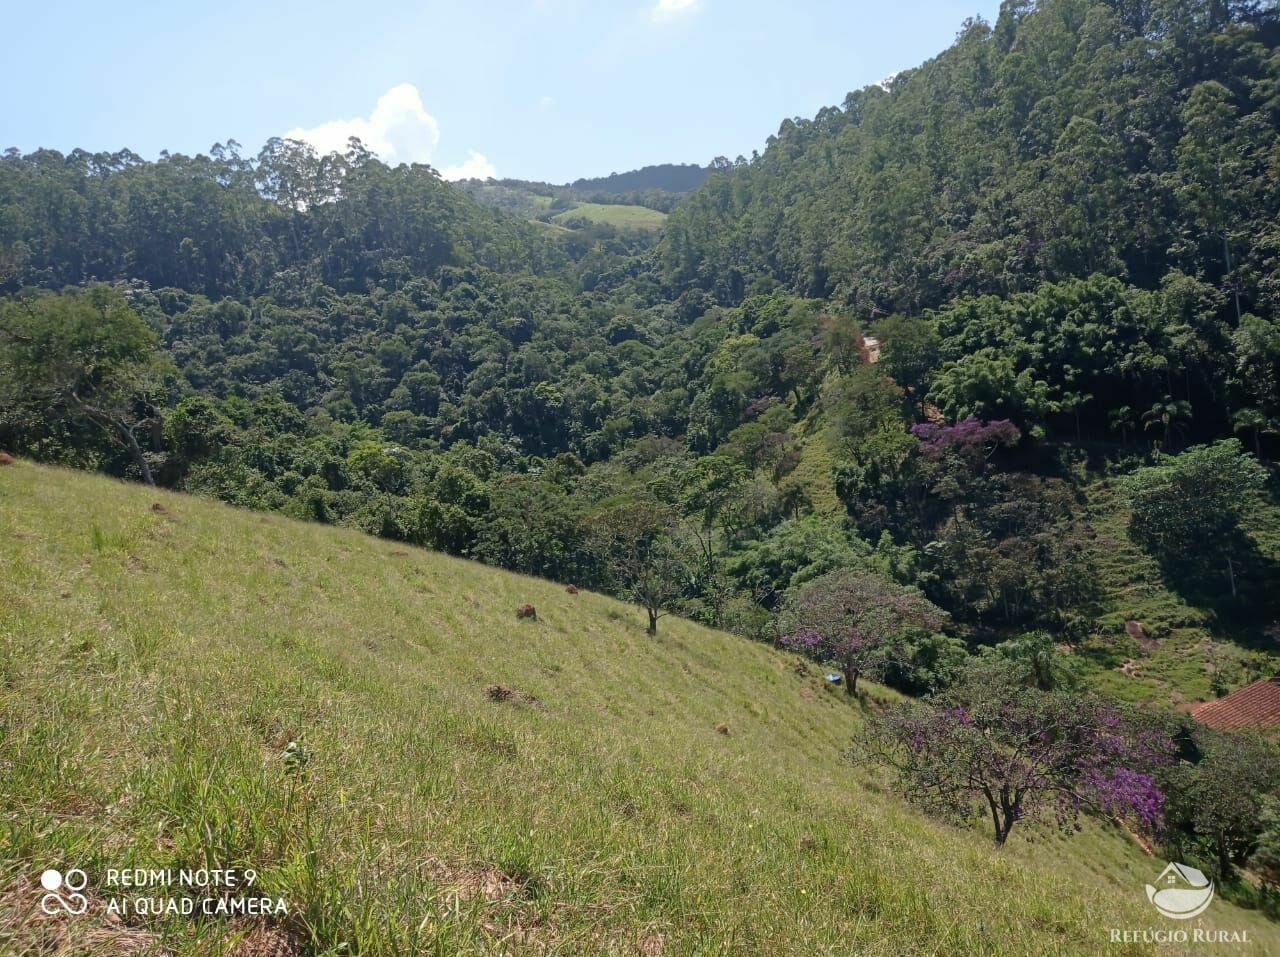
554	229
1190	641
155	663
621	216
815	473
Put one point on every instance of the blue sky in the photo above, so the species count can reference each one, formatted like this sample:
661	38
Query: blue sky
535	89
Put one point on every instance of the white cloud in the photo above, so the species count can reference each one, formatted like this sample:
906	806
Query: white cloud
475	166
666	10
547	102
399	129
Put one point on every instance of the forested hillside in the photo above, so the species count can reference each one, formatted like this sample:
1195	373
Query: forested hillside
1130	137
994	346
1071	140
226	225
668	177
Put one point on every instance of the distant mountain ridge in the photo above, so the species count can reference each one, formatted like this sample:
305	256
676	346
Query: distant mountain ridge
669	177
658	188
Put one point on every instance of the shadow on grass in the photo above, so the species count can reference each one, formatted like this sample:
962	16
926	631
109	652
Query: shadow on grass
1206	581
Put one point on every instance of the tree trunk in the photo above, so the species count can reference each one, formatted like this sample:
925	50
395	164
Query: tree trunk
1226	254
999	833
1231	575
108	422
850	681
1005	812
138	457
653	620
1002	833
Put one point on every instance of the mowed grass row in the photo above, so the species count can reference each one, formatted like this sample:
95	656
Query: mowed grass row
158	652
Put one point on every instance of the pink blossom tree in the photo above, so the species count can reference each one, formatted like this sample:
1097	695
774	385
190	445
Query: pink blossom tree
853	619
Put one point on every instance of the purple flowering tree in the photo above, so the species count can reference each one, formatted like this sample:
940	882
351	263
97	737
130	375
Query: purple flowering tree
995	747
969	437
853	619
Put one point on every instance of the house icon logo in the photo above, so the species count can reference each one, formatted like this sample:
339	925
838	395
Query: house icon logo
1181	892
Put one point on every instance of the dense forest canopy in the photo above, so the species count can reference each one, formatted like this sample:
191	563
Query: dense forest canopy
1070	141
1070	137
226	225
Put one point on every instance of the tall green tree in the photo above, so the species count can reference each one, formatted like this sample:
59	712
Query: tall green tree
86	358
1189	506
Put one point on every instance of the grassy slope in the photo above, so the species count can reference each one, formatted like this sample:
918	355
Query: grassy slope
153	665
554	229
621	216
815	473
1189	641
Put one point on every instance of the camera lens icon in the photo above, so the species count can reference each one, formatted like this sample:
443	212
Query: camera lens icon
63	891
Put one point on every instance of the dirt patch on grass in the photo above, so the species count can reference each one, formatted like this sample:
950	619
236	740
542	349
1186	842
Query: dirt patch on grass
1146	641
503	693
465	883
652	945
264	941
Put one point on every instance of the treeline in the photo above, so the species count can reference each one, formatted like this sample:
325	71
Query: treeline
667	177
227	225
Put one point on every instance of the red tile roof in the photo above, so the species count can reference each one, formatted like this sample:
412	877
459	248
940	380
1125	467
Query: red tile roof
1253	706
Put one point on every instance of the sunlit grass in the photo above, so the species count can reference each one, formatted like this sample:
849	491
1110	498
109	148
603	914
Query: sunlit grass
620	215
155	664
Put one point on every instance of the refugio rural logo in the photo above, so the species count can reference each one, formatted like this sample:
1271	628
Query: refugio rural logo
1181	892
